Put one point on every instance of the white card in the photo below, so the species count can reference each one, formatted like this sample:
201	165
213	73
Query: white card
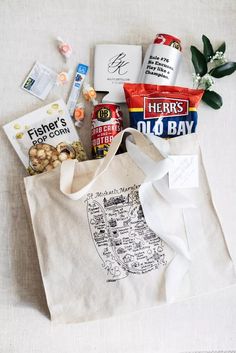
115	64
40	81
184	173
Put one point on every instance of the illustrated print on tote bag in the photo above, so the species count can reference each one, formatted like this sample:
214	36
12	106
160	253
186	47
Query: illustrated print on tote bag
121	235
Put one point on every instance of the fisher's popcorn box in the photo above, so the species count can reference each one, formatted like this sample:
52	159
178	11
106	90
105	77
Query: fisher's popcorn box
44	138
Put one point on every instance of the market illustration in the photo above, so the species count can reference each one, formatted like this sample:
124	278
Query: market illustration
121	235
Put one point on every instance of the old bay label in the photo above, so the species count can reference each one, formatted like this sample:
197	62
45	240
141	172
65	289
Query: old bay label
166	128
166	111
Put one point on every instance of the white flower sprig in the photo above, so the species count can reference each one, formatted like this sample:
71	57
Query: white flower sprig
218	59
204	82
210	65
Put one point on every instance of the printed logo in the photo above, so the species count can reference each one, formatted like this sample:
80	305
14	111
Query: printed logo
161	107
29	83
118	64
104	114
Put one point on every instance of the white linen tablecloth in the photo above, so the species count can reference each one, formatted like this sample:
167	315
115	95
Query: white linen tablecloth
27	32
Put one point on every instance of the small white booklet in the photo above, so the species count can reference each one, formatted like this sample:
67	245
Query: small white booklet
40	81
185	172
115	64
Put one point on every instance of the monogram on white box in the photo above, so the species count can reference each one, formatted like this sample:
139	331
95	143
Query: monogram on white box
115	64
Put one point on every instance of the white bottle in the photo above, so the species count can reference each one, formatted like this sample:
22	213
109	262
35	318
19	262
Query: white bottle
162	61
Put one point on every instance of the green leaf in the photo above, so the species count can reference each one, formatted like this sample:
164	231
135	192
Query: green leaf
199	61
207	48
223	70
213	99
221	48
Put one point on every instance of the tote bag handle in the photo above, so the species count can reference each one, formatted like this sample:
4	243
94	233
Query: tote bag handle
68	167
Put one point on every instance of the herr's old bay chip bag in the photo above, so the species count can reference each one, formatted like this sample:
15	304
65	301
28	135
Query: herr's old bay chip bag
44	138
166	111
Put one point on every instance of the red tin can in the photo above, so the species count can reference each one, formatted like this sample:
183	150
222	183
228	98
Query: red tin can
167	39
107	122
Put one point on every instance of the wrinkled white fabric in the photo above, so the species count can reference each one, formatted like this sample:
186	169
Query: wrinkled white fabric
94	246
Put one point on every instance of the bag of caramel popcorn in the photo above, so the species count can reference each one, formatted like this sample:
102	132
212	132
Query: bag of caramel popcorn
45	137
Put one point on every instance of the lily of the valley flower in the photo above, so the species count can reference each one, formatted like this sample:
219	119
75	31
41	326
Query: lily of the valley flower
204	82
218	59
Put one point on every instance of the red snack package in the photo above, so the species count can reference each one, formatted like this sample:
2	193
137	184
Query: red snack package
166	111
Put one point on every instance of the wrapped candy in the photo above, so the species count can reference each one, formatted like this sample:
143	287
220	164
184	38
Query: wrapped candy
89	93
63	77
64	48
79	114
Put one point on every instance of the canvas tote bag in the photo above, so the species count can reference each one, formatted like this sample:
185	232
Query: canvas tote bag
112	237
